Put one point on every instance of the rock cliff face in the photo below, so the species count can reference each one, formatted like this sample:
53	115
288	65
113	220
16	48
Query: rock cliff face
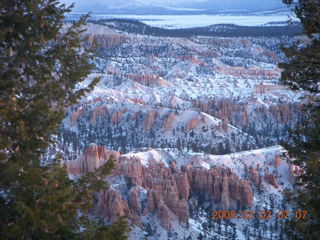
75	116
150	120
116	116
196	121
111	205
106	41
193	123
98	112
172	82
141	125
277	118
271	179
160	189
277	161
168	121
255	177
92	158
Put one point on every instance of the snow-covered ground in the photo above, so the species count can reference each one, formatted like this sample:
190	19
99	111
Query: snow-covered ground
165	99
190	21
265	197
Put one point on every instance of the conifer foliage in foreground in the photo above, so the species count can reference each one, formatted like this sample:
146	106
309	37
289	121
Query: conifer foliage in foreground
41	63
302	72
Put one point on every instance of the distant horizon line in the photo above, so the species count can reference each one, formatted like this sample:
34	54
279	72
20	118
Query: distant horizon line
179	11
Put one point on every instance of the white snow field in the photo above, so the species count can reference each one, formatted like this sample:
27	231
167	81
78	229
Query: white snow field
190	21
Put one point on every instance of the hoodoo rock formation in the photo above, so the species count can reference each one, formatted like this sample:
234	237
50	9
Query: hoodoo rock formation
255	177
271	179
107	41
277	118
93	157
150	120
277	161
75	116
165	189
197	120
168	121
116	116
97	112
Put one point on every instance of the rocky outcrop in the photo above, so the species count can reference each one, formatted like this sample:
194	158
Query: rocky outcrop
116	116
150	119
111	205
255	177
92	158
246	194
135	205
277	161
175	102
106	41
168	121
166	85
112	124
134	199
151	205
222	185
144	61
271	179
130	167
167	189
97	112
294	172
75	116
163	214
183	185
225	194
268	123
195	122
138	101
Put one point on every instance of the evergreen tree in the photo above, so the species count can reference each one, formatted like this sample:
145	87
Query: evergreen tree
200	236
41	63
301	72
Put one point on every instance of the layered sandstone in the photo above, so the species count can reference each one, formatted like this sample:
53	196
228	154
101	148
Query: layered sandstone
195	122
150	119
255	177
167	189
271	179
168	121
76	115
107	41
97	112
92	158
116	116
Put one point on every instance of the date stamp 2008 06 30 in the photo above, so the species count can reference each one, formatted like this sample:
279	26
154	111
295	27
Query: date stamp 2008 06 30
258	214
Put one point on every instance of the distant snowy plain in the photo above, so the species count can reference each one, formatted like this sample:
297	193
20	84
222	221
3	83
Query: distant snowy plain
190	21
